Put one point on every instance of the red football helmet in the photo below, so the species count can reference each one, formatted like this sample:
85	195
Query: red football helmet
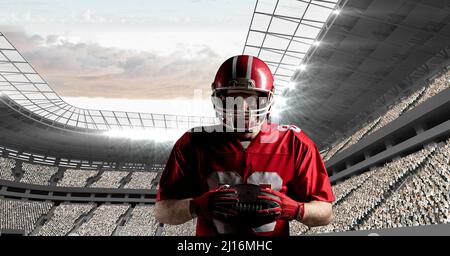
244	75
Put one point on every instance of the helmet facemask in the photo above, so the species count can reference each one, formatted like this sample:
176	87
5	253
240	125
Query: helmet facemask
241	106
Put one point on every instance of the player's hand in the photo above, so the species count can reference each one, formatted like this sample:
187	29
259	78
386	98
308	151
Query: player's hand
289	208
201	206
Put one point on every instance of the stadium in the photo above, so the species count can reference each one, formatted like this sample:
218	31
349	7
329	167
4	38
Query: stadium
367	80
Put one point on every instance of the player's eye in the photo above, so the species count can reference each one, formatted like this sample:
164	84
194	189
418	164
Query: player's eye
262	102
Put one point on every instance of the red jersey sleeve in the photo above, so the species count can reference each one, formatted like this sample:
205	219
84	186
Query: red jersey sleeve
177	174
311	180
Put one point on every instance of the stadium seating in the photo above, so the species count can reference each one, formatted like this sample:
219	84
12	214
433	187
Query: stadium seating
439	84
411	190
141	180
110	179
63	219
402	106
185	229
352	139
42	174
21	215
408	191
343	189
423	200
396	110
6	165
336	147
141	223
297	228
37	174
75	178
103	221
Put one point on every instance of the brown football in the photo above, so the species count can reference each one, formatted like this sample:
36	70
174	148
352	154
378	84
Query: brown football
244	212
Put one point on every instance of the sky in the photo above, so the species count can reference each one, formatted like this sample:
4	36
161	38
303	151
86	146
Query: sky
134	55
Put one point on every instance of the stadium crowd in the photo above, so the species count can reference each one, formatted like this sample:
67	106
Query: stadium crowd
37	174
422	200
42	175
408	191
110	179
396	110
75	178
343	189
63	219
21	215
103	221
411	190
405	104
185	229
141	223
141	180
6	165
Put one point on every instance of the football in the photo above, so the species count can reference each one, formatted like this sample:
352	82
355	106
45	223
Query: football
248	210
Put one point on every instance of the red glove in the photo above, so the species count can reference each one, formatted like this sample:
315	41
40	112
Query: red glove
289	209
203	205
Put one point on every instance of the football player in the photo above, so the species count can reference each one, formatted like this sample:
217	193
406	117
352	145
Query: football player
246	148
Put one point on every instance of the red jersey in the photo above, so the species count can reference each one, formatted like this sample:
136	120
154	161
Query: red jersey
282	156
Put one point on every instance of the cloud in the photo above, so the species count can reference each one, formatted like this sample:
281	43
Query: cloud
87	15
75	69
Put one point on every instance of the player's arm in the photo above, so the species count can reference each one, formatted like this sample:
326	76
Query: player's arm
312	185
173	211
174	193
316	213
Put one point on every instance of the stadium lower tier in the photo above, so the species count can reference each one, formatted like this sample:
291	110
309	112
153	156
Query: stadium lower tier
409	191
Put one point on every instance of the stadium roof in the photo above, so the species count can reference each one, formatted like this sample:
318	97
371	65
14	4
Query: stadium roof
24	89
23	134
331	60
373	47
281	32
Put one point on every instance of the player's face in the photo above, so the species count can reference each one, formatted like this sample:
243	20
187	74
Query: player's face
242	109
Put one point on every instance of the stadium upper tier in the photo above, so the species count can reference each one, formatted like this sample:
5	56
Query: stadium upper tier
402	106
24	90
